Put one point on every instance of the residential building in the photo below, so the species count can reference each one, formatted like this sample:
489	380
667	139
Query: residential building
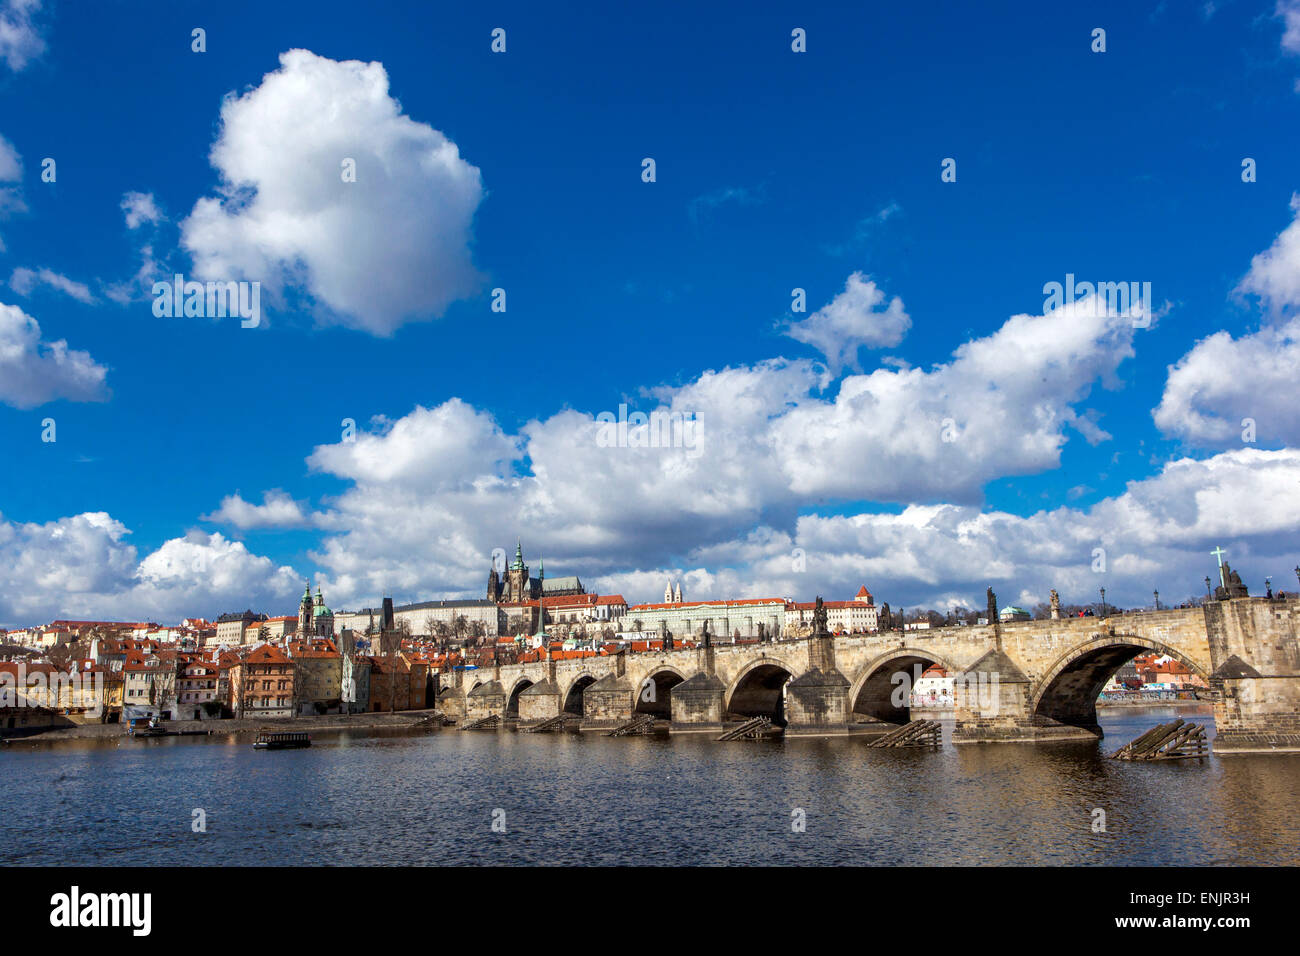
261	683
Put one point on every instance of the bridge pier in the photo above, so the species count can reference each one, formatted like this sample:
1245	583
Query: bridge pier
607	703
697	704
994	704
539	702
817	701
485	700
451	701
1254	642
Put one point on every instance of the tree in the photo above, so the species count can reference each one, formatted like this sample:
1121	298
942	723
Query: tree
637	625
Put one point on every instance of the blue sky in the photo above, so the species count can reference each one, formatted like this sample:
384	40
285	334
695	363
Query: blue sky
774	170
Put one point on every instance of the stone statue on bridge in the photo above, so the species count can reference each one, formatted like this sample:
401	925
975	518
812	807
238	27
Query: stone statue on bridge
992	605
1056	604
819	619
1231	587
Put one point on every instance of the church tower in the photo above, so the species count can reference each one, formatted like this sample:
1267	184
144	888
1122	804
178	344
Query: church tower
668	592
306	611
677	595
517	582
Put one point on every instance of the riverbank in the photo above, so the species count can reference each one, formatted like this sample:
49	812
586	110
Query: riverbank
234	727
1147	702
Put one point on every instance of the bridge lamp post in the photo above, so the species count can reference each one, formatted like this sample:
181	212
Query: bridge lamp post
1207	586
1103	602
1157	594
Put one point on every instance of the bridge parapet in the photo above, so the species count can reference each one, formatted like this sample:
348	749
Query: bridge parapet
1023	680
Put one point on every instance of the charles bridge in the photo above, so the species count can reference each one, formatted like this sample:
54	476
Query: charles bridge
1016	681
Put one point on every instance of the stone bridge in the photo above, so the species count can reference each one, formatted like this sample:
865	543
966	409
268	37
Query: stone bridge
1019	681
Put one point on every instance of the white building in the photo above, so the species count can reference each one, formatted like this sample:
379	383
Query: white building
859	616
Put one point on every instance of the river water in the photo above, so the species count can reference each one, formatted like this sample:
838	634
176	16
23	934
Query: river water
401	797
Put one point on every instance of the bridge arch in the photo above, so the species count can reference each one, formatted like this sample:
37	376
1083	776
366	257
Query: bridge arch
758	690
653	692
512	701
1068	690
873	692
571	699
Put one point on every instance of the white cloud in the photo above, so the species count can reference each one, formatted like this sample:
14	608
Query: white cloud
391	247
1223	381
277	510
34	371
1289	12
20	38
11	171
1156	534
434	492
1004	401
435	449
24	280
857	317
1274	274
140	208
81	567
11	164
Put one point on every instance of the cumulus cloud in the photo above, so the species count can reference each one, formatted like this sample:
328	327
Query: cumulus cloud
20	37
1274	274
1222	381
391	247
1000	407
23	281
34	371
277	510
1157	534
857	317
82	567
736	449
1213	389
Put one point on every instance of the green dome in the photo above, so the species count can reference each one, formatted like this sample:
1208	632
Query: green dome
322	610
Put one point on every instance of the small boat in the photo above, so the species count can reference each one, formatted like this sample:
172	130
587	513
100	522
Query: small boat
281	740
145	727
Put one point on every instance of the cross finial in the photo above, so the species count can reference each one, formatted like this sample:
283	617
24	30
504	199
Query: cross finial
1219	553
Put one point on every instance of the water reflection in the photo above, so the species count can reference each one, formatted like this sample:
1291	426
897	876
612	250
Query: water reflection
427	798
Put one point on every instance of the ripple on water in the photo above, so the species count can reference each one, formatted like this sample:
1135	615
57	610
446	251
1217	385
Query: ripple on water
428	798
